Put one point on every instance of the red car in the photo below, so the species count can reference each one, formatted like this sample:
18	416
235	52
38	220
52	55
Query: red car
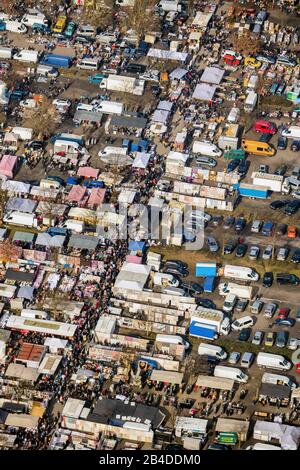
265	127
298	368
231	60
283	313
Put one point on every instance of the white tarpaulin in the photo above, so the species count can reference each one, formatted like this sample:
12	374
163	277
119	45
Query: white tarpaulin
212	75
290	439
141	160
204	92
165	105
20	204
45	239
201	20
167	55
160	115
17	187
177	74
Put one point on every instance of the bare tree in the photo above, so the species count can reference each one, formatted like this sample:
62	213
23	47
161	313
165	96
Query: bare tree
99	13
44	119
3	200
140	18
9	252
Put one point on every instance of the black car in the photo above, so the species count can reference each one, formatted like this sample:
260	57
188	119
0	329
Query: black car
228	222
292	208
176	262
206	303
229	248
232	165
245	334
155	90
281	145
240	224
277	204
241	250
281	170
176	271
192	289
281	229
243	167
35	145
135	68
217	446
295	146
296	256
268	279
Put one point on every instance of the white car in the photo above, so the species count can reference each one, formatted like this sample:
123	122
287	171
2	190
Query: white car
234	357
267	253
61	103
257	338
296	194
293	344
254	252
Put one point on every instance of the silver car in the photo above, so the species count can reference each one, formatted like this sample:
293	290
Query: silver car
270	310
213	246
254	252
267	253
257	338
234	357
282	254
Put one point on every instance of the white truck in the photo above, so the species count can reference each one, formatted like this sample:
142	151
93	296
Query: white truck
172	339
272	361
276	379
206	148
292	132
124	84
243	273
6	52
20	218
233	373
206	349
272	182
26	55
208	323
164	280
250	101
242	292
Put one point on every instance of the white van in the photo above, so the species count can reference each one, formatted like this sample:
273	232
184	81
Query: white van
272	361
30	20
85	107
88	64
172	339
164	279
234	115
29	103
263	446
241	323
86	30
6	52
67	146
212	350
244	273
46	71
15	27
74	225
231	373
276	379
229	303
206	148
27	55
293	132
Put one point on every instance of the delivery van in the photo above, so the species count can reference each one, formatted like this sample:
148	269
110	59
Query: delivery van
20	218
272	361
26	55
164	279
244	273
292	132
276	379
258	148
206	349
172	339
241	323
206	148
88	64
231	373
46	71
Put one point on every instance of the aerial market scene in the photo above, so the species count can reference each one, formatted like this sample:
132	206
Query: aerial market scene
149	225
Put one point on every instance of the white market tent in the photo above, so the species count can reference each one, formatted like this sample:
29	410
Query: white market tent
126	196
204	92
141	160
177	74
20	204
167	55
17	187
165	105
161	116
44	239
213	75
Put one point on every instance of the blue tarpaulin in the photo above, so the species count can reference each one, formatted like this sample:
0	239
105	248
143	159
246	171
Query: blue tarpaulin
206	269
136	246
202	331
209	284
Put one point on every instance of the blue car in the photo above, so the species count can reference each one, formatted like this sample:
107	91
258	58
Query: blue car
41	28
282	143
285	322
2	26
232	165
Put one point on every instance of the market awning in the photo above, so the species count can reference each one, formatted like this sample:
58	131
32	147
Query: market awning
178	74
212	75
20	204
160	115
96	197
141	160
165	105
275	391
204	92
84	242
22	421
88	172
167	55
214	382
7	165
26	292
26	237
167	376
17	187
127	121
77	193
44	239
89	116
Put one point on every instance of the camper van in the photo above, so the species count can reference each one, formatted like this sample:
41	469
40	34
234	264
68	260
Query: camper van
258	148
172	339
231	373
206	349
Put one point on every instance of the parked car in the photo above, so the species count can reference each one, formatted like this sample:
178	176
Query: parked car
240	224
285	322
269	339
206	303
283	313
213	246
295	146
245	334
201	160
292	231
229	248
257	338
292	207
256	226
254	252
281	229
296	256
293	344
241	250
243	167
267	279
277	205
234	357
282	253
268	252
228	222
281	144
270	309
241	305
232	165
257	306
281	339
177	263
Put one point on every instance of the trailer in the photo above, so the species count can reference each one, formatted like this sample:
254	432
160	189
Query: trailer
270	181
124	84
208	323
253	191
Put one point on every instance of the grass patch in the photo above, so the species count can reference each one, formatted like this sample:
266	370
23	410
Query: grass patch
241	346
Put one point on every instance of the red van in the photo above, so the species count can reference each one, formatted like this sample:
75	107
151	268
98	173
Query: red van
265	127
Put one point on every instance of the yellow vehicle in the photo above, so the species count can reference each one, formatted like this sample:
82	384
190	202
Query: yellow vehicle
269	339
252	62
60	24
258	148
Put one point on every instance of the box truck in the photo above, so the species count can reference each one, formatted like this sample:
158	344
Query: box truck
253	191
124	84
25	55
20	218
208	323
242	292
206	349
6	52
250	101
206	148
272	361
233	373
276	379
240	272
